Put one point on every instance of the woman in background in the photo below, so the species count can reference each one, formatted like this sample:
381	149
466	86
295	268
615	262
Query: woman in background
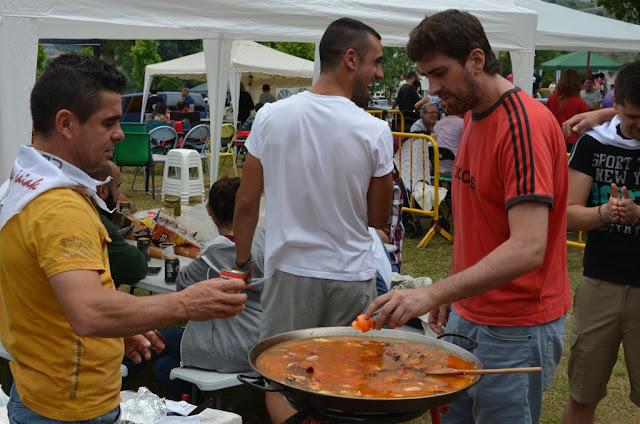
566	102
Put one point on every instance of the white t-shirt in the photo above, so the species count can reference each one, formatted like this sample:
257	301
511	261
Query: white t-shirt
318	155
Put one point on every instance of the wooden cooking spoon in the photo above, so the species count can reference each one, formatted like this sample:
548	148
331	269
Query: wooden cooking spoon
456	371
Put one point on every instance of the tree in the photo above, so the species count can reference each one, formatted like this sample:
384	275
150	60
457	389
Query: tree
394	64
303	50
624	10
42	60
143	53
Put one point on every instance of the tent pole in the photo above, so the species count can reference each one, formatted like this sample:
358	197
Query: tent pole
588	61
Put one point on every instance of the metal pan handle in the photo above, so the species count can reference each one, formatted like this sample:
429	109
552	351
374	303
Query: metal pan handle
470	345
260	383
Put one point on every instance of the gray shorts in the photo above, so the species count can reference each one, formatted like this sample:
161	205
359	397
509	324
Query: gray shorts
291	302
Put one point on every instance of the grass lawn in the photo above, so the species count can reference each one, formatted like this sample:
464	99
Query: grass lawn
433	261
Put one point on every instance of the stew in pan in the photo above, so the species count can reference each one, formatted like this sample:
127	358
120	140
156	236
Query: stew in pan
367	367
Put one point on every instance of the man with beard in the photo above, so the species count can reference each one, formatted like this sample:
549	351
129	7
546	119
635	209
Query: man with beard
509	281
325	167
126	262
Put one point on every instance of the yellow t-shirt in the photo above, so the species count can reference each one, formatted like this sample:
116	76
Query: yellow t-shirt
57	373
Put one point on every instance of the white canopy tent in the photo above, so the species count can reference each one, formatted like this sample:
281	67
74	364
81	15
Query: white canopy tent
562	28
251	63
218	23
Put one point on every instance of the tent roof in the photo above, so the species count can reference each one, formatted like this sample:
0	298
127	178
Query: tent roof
246	56
578	60
562	28
217	22
508	27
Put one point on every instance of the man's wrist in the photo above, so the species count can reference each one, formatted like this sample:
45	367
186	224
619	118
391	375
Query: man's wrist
601	218
244	265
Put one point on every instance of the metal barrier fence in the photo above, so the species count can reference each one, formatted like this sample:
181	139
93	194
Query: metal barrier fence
414	207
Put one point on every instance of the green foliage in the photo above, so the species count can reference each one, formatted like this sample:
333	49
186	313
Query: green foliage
171	49
143	53
505	63
86	50
548	76
624	10
394	63
42	60
303	50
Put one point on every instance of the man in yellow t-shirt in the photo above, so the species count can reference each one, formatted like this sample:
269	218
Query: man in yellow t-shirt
62	321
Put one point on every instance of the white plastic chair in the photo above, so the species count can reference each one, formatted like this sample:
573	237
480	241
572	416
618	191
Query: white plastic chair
178	178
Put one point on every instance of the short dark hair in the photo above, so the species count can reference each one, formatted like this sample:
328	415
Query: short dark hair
452	33
628	84
341	35
590	78
222	198
72	81
181	104
266	87
411	74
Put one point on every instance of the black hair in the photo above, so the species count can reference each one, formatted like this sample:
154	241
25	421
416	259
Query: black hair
222	199
341	35
72	81
452	33
627	84
266	87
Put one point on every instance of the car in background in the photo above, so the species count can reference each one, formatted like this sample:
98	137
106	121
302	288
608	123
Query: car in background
379	104
132	104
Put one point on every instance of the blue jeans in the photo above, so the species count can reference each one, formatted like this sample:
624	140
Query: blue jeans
20	414
507	398
170	359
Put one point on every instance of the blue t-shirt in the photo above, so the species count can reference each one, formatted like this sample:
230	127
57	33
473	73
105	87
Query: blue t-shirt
190	100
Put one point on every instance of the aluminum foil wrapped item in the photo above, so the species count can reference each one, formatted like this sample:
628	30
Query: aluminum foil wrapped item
145	408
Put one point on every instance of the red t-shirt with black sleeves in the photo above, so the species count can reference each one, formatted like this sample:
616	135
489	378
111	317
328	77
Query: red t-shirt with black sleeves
511	153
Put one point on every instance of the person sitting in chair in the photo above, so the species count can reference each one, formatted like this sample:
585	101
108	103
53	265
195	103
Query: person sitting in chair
160	111
233	337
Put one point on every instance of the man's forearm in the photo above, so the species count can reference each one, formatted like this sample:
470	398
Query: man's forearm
244	226
582	218
507	262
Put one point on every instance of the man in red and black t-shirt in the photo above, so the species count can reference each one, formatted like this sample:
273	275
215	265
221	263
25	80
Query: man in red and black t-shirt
509	282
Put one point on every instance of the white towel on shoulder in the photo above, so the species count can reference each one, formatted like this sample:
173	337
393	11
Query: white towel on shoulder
34	173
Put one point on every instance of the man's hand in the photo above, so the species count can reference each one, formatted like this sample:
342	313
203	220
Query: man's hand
402	305
139	346
248	274
583	122
439	317
213	299
629	212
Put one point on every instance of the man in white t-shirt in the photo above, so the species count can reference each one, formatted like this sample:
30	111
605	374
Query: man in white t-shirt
325	167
